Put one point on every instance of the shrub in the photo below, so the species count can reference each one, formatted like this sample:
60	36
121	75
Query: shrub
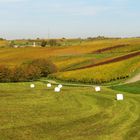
1	39
5	74
25	73
43	43
52	42
46	67
12	43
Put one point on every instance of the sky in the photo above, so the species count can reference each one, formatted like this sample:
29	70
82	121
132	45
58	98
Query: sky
69	18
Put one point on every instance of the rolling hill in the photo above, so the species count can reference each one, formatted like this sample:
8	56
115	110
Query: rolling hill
77	112
97	57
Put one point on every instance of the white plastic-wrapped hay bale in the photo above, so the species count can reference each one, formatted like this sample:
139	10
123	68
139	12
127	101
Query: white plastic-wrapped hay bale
119	97
49	85
32	86
57	89
60	86
97	88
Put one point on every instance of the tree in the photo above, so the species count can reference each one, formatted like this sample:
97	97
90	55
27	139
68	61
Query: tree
43	43
2	39
46	67
12	43
25	73
5	74
52	42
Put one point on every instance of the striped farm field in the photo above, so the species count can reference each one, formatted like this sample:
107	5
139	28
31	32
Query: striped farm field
10	56
74	62
120	48
94	61
112	60
101	74
70	62
28	53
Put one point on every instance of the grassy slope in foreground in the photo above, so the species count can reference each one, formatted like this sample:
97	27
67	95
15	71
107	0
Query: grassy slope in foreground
74	114
103	73
131	88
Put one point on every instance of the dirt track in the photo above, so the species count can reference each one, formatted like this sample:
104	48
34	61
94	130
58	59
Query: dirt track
134	79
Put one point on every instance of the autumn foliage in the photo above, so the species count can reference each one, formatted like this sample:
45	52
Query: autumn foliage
27	71
5	74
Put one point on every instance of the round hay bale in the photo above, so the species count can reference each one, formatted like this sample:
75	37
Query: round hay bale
60	86
97	89
49	85
57	89
32	85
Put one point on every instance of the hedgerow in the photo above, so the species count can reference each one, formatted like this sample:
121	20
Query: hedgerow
33	70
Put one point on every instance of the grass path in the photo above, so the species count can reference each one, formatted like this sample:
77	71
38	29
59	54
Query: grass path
55	82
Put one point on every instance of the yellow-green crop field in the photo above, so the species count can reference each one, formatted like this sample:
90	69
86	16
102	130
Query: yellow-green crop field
103	73
70	58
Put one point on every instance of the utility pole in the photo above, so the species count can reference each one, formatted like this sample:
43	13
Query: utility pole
48	33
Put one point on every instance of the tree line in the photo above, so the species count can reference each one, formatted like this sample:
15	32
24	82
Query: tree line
28	71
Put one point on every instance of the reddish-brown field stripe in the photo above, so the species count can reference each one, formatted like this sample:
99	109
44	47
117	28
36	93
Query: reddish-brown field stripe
110	48
121	58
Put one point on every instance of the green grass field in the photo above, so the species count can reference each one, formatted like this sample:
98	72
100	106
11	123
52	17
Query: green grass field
131	88
77	113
